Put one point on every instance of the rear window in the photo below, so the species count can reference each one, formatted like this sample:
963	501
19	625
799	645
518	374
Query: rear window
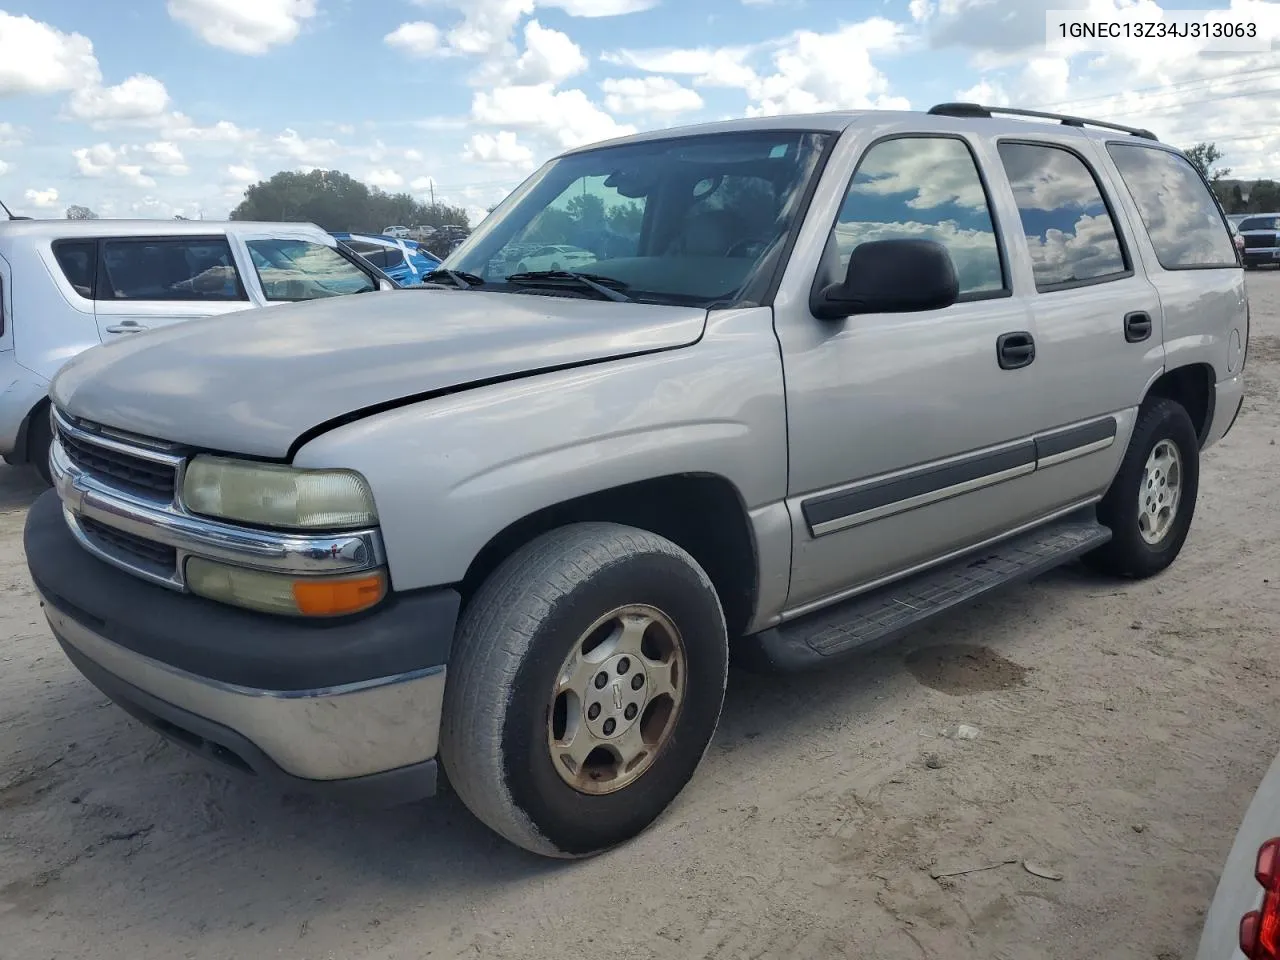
1181	216
79	262
1259	223
177	268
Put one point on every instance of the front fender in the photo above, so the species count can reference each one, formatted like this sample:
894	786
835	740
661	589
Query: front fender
449	474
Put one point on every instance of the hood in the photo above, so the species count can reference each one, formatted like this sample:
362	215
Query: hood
252	382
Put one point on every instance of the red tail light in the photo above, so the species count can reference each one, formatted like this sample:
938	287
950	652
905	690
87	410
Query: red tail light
1260	929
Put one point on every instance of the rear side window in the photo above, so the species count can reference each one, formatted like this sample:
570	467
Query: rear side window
925	188
303	270
1070	233
1181	216
79	262
178	268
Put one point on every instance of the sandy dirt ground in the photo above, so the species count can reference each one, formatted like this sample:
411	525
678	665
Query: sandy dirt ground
1122	730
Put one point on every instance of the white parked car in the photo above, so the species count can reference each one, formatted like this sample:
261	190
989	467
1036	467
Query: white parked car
400	233
1243	922
555	257
67	285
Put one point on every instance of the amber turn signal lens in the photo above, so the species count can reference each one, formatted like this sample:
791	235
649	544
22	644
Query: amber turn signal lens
335	597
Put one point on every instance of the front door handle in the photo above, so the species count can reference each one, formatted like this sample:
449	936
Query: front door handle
127	326
1137	326
1015	350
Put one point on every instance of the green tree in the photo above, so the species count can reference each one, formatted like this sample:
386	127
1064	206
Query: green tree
1204	156
626	219
1264	197
337	201
77	212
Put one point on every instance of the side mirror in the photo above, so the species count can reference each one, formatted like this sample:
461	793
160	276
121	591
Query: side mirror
890	276
384	284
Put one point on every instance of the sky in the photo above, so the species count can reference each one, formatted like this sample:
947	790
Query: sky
155	108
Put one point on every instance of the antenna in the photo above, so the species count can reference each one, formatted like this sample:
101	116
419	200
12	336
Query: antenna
10	212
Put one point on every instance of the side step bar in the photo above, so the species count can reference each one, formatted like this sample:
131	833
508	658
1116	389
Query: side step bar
892	610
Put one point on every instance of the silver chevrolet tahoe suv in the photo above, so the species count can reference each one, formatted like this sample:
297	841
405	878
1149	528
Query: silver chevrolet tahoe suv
825	377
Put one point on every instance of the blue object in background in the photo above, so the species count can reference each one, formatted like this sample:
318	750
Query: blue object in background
404	261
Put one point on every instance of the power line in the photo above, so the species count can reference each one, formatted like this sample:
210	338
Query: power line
1180	86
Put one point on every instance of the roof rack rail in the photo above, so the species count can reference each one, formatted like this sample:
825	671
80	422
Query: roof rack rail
978	110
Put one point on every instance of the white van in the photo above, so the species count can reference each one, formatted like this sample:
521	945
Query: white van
67	285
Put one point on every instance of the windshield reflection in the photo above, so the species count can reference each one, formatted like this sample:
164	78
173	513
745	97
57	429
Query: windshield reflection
684	220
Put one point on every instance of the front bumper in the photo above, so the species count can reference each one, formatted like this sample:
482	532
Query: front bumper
1258	256
349	707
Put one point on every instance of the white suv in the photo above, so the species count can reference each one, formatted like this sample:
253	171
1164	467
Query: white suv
67	285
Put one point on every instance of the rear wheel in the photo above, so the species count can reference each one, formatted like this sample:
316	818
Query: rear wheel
1152	499
584	688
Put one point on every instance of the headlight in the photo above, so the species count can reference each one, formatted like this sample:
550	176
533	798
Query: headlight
282	593
271	495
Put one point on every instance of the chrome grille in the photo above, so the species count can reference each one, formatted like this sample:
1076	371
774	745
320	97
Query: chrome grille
161	558
129	471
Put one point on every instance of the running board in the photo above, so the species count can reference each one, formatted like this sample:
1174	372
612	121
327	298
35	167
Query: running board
888	612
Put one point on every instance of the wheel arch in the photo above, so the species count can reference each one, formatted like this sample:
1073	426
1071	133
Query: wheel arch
703	513
1193	387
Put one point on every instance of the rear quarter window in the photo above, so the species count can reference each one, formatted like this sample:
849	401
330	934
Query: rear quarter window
1182	218
78	260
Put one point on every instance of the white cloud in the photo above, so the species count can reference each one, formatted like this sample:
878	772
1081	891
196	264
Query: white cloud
140	97
96	161
36	58
566	117
177	126
243	173
649	95
549	56
386	179
4	168
501	149
600	8
710	67
985	92
41	198
418	39
244	26
9	136
167	156
303	151
133	175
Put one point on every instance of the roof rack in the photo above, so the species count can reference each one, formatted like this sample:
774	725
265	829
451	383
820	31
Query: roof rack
978	110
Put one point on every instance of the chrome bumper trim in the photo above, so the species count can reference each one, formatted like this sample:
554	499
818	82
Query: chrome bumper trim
164	522
334	733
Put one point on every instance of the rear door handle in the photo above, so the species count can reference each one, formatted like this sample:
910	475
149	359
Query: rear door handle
1015	350
1137	326
127	326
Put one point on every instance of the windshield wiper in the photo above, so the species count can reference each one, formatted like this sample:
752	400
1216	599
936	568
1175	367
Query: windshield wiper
461	279
605	286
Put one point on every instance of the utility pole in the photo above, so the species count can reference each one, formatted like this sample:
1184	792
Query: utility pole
432	184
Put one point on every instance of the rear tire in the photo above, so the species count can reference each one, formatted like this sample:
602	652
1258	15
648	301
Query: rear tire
573	604
39	440
1151	501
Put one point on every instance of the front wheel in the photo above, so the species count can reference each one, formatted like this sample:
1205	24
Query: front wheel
1152	499
39	440
585	685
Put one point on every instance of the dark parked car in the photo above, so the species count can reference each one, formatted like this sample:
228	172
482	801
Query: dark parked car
1261	245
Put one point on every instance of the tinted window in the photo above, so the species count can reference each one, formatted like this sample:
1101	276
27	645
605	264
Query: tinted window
303	270
928	189
394	258
169	269
1069	230
677	220
1258	223
1180	214
79	261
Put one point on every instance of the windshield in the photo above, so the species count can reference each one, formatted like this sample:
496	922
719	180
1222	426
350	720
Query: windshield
1258	223
683	220
303	270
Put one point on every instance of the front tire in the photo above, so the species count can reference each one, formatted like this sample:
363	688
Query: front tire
537	747
1152	499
